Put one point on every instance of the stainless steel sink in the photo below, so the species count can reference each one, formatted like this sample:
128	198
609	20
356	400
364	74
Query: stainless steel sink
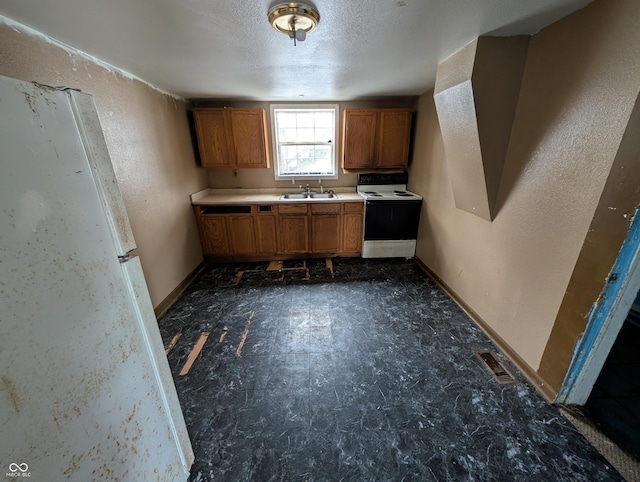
325	195
300	196
292	195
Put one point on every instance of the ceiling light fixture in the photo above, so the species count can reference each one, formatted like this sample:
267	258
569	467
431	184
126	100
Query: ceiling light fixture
294	19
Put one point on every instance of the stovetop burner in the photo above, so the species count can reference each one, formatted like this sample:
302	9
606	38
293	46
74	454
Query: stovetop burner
386	192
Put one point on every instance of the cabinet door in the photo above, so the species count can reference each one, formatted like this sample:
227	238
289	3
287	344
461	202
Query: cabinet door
249	137
212	130
358	138
325	233
214	237
242	234
294	233
352	232
266	234
394	130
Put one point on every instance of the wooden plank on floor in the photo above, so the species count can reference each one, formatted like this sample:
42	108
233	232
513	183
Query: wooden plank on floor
329	264
297	268
172	343
194	352
244	334
275	266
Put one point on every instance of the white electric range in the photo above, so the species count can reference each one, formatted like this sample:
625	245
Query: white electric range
391	215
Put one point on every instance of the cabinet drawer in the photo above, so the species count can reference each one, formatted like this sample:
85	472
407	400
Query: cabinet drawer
326	208
353	207
292	208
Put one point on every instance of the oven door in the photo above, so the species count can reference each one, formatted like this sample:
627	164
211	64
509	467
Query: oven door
391	220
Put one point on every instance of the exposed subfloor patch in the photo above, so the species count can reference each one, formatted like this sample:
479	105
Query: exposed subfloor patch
363	372
278	271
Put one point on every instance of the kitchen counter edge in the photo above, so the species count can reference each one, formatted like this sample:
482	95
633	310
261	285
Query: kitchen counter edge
212	197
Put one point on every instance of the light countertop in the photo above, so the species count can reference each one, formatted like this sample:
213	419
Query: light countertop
211	197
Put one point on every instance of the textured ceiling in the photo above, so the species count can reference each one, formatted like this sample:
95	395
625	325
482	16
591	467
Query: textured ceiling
227	49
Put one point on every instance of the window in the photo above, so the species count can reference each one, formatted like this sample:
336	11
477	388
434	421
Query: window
304	139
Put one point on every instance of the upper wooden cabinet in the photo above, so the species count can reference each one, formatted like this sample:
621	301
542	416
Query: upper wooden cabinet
375	138
359	138
232	138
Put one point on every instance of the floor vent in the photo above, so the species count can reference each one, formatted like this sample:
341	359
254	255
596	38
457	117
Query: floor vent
497	369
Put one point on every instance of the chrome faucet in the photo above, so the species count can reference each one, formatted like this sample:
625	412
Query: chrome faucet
308	191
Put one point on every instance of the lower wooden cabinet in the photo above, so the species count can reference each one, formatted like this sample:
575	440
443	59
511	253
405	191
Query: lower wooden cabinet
293	228
294	234
325	234
325	228
352	228
242	239
265	232
213	236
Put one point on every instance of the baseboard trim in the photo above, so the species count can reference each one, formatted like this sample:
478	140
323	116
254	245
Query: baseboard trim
529	373
172	297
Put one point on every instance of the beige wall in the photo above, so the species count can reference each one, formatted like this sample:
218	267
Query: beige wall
265	178
580	83
150	146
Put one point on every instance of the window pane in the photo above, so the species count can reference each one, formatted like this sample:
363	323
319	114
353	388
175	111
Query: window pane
286	119
323	135
322	152
306	135
309	159
305	119
324	120
289	156
306	159
288	135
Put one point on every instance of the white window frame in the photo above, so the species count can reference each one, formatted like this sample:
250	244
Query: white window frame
276	150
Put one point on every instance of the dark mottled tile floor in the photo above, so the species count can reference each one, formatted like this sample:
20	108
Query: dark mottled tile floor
367	375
